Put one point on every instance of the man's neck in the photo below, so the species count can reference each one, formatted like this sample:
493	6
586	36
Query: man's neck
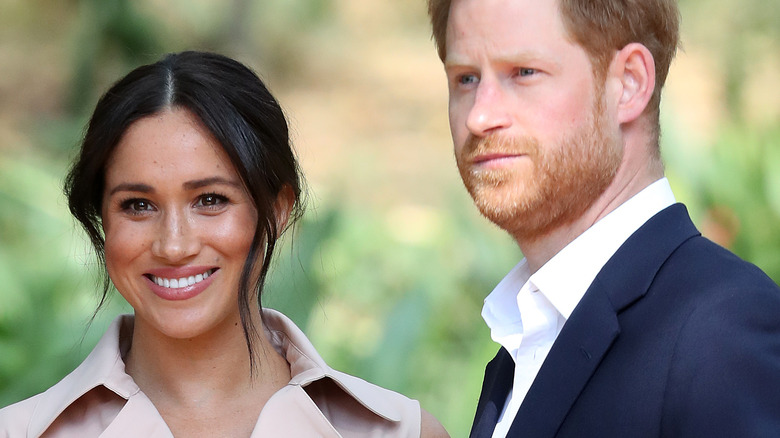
540	250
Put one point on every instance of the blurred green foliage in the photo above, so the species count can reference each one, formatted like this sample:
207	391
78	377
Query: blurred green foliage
391	293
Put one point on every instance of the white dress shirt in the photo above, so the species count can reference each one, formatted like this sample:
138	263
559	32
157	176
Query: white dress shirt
526	312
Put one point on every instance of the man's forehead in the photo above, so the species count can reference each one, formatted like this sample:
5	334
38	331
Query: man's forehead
506	28
501	17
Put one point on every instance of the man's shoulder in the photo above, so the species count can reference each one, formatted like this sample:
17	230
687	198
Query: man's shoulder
672	243
727	351
720	296
702	262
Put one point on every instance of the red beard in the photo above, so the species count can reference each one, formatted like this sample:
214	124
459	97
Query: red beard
551	186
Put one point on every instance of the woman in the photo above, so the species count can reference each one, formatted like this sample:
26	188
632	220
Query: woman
184	182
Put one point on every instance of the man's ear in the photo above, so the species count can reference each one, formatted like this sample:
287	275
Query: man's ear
634	68
283	206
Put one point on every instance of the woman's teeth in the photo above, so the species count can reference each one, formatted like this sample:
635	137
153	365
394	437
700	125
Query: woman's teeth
176	283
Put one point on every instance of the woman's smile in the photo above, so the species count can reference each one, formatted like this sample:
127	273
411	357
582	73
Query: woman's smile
177	286
183	280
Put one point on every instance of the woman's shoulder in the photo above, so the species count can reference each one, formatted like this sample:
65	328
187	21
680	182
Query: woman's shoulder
103	368
15	419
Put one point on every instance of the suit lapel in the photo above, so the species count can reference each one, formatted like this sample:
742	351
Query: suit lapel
499	375
584	340
593	326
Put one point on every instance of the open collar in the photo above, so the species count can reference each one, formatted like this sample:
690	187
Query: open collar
307	366
105	367
594	326
564	279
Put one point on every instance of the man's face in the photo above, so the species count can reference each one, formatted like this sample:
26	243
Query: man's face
533	140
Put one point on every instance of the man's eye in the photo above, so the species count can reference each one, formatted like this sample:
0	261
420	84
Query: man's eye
527	71
467	79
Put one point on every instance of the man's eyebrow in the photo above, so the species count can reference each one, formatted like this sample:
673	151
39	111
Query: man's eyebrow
214	180
510	57
454	62
132	187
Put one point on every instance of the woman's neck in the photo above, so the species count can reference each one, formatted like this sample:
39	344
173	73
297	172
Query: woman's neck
207	373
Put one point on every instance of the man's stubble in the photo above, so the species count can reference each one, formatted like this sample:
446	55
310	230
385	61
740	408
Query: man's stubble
558	185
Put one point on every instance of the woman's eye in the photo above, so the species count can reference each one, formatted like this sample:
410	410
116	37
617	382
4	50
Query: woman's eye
136	206
211	200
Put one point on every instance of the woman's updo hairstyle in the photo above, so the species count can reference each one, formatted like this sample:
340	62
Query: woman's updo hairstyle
237	109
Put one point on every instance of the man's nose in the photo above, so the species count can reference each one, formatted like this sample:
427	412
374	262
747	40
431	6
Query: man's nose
176	240
489	112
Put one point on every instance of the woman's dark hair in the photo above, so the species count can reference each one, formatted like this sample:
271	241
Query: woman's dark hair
236	107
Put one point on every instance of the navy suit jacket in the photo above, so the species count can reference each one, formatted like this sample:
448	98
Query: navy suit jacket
676	337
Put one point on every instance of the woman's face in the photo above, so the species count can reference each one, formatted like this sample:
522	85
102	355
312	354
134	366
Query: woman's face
178	225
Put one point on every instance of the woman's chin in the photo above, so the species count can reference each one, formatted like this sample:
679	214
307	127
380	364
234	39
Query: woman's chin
182	324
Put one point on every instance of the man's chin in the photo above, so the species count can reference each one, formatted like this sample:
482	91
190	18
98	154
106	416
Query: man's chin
525	226
504	209
526	215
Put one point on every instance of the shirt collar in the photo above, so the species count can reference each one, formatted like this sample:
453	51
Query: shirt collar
105	366
306	366
500	310
583	258
580	261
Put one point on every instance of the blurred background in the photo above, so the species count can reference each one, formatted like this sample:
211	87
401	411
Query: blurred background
389	267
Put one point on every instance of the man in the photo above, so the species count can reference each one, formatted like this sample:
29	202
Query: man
621	321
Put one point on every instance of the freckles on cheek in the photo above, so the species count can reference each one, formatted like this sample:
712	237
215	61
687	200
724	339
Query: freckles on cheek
238	230
122	247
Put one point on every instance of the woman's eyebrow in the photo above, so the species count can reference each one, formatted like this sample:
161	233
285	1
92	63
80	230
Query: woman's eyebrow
189	185
199	183
132	187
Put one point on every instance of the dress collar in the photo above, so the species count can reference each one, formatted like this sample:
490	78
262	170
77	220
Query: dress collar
307	366
105	366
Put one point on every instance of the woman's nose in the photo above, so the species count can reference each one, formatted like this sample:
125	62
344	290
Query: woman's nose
176	240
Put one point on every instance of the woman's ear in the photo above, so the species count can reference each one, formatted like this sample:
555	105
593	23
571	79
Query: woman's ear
634	68
283	206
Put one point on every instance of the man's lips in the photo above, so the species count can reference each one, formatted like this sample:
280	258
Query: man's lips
495	158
